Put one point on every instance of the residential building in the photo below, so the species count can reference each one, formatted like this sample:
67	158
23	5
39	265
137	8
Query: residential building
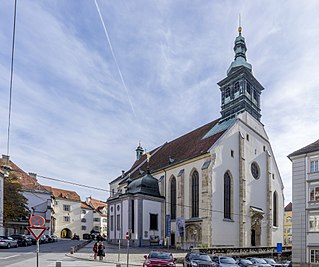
86	219
67	212
99	215
220	182
38	199
288	225
305	199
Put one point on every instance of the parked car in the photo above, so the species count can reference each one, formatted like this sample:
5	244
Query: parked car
23	240
286	264
54	238
244	263
32	239
43	239
258	262
159	258
8	242
272	262
223	261
49	238
196	259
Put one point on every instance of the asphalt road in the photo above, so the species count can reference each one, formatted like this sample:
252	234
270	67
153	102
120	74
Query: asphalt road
49	254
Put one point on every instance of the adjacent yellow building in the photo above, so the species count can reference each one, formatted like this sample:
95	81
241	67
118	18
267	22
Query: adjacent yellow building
288	225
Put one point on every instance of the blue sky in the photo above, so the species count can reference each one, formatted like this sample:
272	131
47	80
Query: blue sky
72	117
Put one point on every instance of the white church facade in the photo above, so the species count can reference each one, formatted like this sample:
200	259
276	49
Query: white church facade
219	185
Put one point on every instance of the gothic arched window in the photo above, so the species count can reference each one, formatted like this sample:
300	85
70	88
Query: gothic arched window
173	198
227	196
195	194
275	209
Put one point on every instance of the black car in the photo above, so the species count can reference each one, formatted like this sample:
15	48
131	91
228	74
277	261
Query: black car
244	263
23	240
259	262
196	259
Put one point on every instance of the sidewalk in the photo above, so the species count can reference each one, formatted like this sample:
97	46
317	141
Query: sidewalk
136	255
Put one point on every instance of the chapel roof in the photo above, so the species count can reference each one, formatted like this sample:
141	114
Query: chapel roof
146	184
188	146
307	149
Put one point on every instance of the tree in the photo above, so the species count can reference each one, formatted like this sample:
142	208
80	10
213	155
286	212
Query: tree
14	204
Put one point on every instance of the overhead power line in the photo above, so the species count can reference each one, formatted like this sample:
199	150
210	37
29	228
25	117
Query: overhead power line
11	75
72	183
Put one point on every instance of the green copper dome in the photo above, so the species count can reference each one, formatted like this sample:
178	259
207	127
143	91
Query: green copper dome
146	184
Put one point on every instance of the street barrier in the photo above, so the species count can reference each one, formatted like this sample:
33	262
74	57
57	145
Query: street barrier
79	246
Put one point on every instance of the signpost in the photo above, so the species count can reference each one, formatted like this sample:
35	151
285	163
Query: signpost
127	236
36	229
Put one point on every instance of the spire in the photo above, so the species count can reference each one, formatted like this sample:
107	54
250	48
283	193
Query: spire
240	52
139	151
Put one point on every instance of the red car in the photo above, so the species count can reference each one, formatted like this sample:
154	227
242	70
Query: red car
159	259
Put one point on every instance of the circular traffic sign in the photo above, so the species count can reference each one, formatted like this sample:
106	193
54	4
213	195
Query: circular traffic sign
36	220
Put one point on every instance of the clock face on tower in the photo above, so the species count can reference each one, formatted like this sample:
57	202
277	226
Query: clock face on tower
254	168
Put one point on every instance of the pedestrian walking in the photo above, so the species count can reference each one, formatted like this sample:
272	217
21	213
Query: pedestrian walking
95	250
100	251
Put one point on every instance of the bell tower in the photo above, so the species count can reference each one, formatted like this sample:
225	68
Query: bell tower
240	91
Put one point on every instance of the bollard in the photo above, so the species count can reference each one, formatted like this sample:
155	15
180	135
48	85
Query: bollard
72	250
58	264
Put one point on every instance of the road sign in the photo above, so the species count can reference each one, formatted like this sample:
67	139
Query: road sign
37	232
36	221
279	248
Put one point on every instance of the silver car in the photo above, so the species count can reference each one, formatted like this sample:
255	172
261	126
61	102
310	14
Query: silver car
8	242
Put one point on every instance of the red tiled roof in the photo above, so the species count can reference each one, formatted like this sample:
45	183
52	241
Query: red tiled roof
64	194
307	149
288	207
97	204
183	148
26	181
85	206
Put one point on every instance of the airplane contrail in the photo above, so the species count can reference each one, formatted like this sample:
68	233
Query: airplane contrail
115	60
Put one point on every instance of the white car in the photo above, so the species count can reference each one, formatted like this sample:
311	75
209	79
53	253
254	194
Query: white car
8	242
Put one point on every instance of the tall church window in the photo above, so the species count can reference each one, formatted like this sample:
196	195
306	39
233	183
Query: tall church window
195	194
275	209
173	198
227	196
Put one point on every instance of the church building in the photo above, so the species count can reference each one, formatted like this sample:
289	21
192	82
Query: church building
218	185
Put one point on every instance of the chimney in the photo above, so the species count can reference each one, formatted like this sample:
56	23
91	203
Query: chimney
33	175
5	158
123	172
